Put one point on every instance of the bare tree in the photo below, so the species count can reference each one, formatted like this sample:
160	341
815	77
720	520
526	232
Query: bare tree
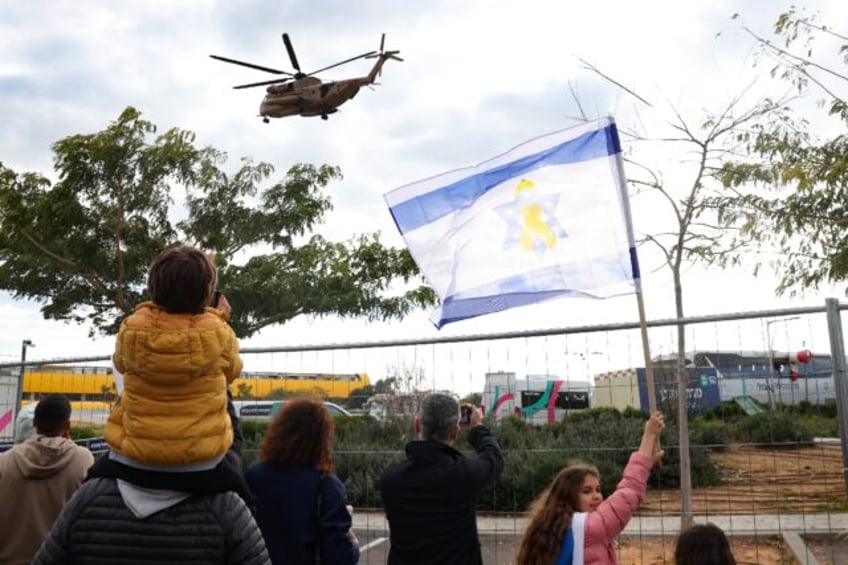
693	235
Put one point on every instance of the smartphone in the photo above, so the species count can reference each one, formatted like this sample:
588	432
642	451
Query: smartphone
465	415
215	299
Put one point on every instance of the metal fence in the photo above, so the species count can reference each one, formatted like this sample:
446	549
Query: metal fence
780	494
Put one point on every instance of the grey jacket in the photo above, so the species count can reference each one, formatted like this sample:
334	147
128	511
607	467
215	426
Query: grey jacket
103	523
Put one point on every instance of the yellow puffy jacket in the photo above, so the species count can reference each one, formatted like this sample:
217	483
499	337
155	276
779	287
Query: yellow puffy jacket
176	369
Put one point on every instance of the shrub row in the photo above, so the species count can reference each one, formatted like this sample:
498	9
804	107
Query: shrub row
533	455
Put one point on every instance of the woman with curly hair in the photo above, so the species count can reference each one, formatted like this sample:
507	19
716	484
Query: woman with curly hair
571	523
300	505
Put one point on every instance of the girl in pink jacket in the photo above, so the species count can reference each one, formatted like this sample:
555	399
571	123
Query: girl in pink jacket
572	524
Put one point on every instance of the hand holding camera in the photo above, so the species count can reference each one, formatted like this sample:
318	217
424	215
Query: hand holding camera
469	416
220	302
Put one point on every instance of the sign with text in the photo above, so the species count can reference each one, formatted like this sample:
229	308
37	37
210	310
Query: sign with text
702	389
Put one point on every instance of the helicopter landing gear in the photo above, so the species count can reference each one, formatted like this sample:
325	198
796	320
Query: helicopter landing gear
323	116
265	119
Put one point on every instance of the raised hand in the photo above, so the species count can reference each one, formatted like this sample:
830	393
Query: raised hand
651	437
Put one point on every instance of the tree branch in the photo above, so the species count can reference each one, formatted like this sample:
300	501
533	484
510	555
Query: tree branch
69	265
258	325
590	67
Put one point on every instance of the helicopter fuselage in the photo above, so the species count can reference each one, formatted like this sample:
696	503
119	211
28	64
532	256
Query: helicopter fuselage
315	99
309	96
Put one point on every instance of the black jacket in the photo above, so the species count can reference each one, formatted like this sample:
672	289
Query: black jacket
97	528
430	500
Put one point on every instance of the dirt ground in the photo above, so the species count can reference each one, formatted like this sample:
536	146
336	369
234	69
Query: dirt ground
758	481
832	551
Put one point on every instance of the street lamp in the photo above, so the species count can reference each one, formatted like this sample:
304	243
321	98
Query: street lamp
26	343
771	360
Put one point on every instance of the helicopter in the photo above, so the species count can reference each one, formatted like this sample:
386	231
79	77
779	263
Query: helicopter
305	94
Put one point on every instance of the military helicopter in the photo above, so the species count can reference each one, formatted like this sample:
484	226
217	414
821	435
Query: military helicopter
305	94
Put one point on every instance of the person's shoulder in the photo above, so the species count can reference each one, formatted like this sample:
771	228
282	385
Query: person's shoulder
255	469
394	470
143	316
83	453
223	504
212	320
96	487
334	482
6	456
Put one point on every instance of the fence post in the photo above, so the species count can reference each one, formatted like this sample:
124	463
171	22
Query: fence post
840	378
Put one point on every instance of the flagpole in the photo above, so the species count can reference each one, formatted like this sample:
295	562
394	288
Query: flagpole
646	350
624	200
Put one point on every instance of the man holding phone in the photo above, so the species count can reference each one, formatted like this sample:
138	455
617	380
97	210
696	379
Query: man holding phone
430	499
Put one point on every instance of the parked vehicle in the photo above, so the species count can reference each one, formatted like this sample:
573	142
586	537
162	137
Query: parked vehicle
264	410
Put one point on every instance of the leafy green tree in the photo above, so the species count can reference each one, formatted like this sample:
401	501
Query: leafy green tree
789	190
359	396
81	245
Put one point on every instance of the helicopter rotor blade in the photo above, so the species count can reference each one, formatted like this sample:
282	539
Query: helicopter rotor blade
251	65
290	50
363	56
263	83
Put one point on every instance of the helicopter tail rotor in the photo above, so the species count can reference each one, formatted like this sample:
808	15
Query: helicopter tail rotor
383	53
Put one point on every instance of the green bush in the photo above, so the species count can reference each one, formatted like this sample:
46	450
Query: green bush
533	455
820	426
774	430
84	431
712	434
726	411
828	409
594	414
805	408
253	430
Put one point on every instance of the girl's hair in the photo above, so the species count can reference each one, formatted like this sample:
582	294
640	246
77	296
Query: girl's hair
550	516
180	280
301	434
704	544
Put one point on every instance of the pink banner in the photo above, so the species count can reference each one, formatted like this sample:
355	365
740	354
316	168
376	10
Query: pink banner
5	420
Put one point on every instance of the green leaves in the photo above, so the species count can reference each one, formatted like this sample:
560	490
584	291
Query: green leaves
789	190
82	246
349	279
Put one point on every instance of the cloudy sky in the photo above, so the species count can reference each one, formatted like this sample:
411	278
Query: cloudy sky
479	77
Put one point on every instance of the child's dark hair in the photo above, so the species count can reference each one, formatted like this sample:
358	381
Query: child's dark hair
703	544
181	279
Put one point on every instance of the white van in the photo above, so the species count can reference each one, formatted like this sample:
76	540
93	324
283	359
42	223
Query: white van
264	410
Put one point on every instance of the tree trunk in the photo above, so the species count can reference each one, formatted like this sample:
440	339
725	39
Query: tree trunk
686	518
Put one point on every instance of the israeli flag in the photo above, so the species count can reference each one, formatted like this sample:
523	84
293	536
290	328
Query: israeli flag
547	219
